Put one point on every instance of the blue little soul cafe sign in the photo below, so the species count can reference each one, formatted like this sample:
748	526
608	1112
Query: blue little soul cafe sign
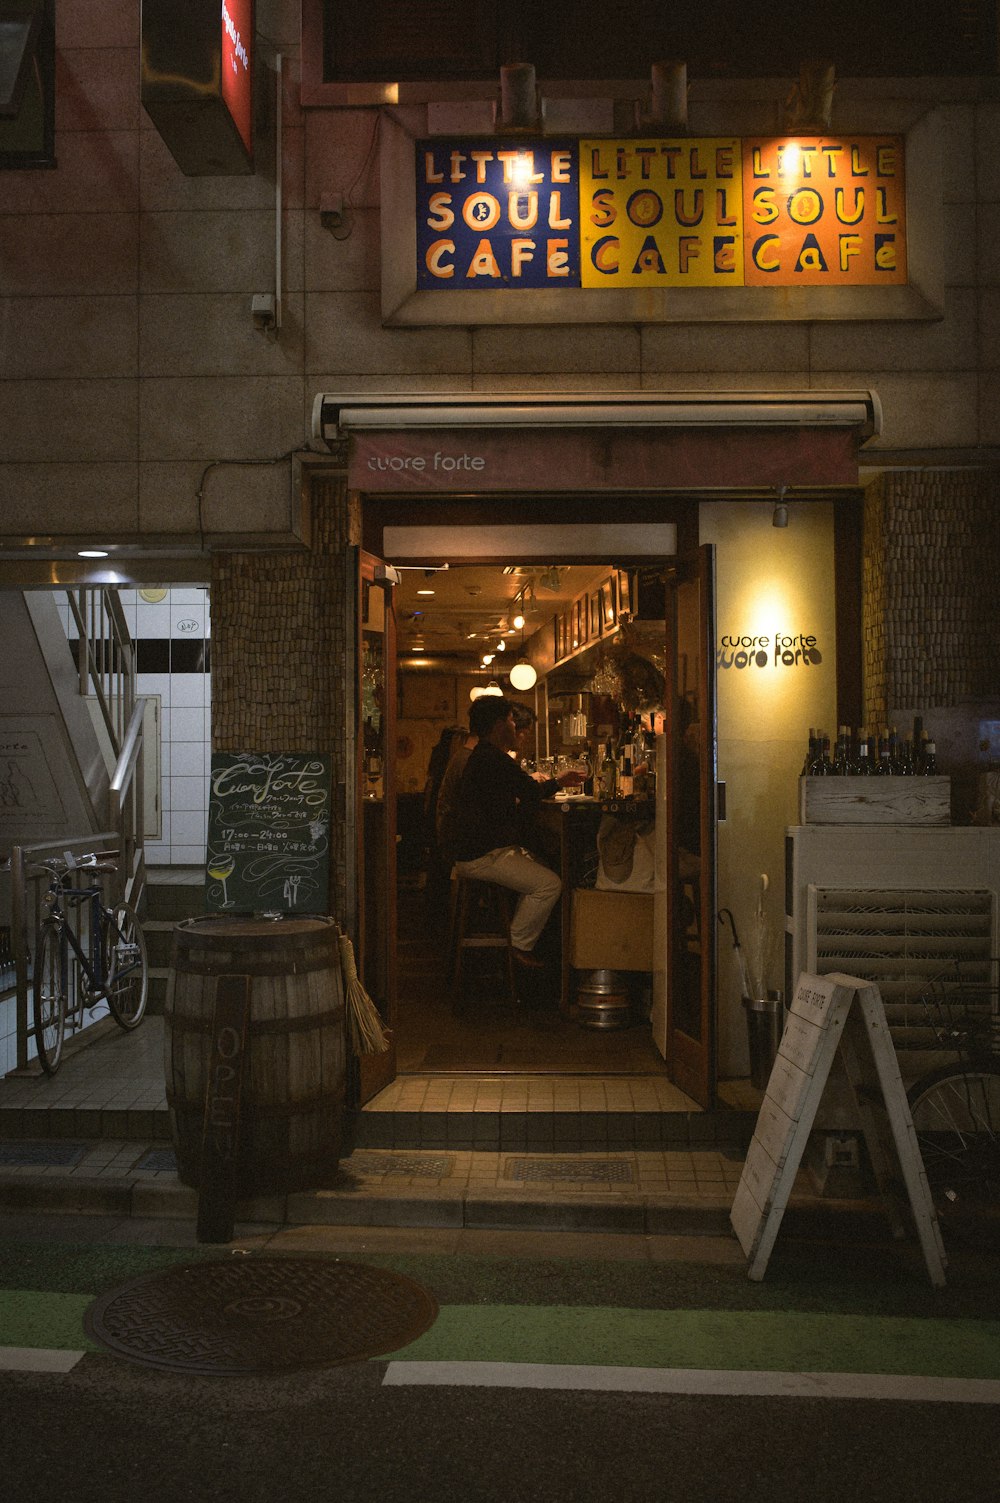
492	215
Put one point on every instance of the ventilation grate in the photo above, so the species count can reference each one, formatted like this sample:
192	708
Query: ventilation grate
410	1165
904	941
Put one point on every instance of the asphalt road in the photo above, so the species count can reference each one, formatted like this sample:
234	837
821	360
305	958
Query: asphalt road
533	1309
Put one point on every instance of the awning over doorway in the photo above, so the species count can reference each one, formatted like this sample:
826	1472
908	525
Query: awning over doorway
568	441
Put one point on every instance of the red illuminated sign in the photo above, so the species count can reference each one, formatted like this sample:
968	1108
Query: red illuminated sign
237	66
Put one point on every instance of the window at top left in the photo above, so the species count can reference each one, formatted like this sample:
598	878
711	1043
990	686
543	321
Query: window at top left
27	83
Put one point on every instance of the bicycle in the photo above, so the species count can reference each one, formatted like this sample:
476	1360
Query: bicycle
72	974
956	1107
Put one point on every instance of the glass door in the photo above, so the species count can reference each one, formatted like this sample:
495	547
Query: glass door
684	976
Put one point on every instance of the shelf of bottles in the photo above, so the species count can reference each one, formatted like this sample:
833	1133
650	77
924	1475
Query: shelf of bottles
625	775
868	752
874	777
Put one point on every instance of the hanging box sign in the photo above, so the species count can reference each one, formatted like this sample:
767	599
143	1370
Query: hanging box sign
196	78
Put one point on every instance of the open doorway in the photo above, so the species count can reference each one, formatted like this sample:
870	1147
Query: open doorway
608	696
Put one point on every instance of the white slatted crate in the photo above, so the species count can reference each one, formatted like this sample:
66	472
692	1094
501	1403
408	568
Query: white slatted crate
875	801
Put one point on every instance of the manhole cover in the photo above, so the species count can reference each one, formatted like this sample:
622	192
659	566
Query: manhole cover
261	1315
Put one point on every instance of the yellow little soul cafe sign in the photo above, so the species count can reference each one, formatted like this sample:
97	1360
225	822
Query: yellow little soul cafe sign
715	212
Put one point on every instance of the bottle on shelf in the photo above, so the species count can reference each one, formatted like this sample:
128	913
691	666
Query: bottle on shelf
919	738
625	776
884	768
904	761
929	760
843	762
811	754
607	773
864	768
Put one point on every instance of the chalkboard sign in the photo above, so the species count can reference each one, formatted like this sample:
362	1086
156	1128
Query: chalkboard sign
268	833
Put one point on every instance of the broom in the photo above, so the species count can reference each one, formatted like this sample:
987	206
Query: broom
365	1033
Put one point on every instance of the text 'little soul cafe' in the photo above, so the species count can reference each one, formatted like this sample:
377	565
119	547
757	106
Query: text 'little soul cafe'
621	214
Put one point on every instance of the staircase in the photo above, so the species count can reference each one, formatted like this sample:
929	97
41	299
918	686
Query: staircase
173	893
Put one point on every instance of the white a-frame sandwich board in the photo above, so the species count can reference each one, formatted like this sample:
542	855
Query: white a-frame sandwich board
831	1013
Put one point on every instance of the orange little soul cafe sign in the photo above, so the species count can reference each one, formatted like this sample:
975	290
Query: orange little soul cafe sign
713	212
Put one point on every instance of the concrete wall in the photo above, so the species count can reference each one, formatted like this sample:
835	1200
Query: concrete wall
129	361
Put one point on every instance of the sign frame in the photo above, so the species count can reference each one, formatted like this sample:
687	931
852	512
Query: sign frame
829	1015
406	305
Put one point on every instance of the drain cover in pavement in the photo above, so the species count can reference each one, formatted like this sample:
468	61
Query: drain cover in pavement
261	1315
41	1155
586	1171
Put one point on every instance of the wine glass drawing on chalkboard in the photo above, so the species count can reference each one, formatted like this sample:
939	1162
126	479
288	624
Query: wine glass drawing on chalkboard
220	868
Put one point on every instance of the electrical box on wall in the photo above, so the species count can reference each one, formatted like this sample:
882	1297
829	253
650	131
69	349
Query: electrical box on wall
196	79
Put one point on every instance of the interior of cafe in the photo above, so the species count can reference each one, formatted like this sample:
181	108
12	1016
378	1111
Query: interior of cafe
579	649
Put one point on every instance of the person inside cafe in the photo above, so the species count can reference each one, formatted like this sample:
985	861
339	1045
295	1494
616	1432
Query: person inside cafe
495	798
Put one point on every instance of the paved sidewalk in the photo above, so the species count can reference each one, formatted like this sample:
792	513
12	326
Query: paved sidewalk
615	1155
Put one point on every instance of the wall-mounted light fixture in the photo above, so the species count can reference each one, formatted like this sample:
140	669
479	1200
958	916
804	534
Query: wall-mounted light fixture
518	107
808	110
779	517
668	100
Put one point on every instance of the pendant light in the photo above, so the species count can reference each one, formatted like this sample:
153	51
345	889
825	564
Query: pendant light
522	674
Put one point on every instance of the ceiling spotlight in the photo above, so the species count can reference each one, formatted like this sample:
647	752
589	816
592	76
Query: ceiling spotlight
487	659
425	592
92	553
518	622
501	646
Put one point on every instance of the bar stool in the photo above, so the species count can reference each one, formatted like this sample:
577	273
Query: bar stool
480	921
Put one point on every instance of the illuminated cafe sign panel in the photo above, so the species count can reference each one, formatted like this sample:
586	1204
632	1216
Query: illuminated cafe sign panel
614	215
196	82
533	230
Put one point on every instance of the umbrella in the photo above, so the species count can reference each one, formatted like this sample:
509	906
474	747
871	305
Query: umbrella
747	990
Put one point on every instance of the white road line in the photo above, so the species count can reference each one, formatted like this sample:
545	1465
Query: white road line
696	1381
36	1359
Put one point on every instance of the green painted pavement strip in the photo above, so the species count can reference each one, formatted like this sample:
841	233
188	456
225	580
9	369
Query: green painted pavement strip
28	1318
616	1337
721	1339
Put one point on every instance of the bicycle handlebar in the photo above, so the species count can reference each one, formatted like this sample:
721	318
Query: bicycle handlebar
60	865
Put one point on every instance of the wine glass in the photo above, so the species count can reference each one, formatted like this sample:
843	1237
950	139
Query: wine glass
220	868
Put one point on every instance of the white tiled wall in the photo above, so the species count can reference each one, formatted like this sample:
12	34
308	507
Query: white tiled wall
185	725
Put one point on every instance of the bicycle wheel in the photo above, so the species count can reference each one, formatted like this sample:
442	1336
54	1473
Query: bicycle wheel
126	965
51	967
956	1114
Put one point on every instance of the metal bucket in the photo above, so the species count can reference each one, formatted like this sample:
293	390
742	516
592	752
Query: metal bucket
603	1000
765	1025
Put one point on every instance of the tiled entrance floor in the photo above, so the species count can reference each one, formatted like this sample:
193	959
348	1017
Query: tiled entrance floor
115	1089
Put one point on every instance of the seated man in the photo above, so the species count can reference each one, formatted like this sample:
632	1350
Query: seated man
446	814
494	796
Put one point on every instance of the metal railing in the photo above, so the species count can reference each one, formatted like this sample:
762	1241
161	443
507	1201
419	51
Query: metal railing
105	657
106	667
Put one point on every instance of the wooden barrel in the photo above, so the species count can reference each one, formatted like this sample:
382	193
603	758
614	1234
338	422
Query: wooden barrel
292	1096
